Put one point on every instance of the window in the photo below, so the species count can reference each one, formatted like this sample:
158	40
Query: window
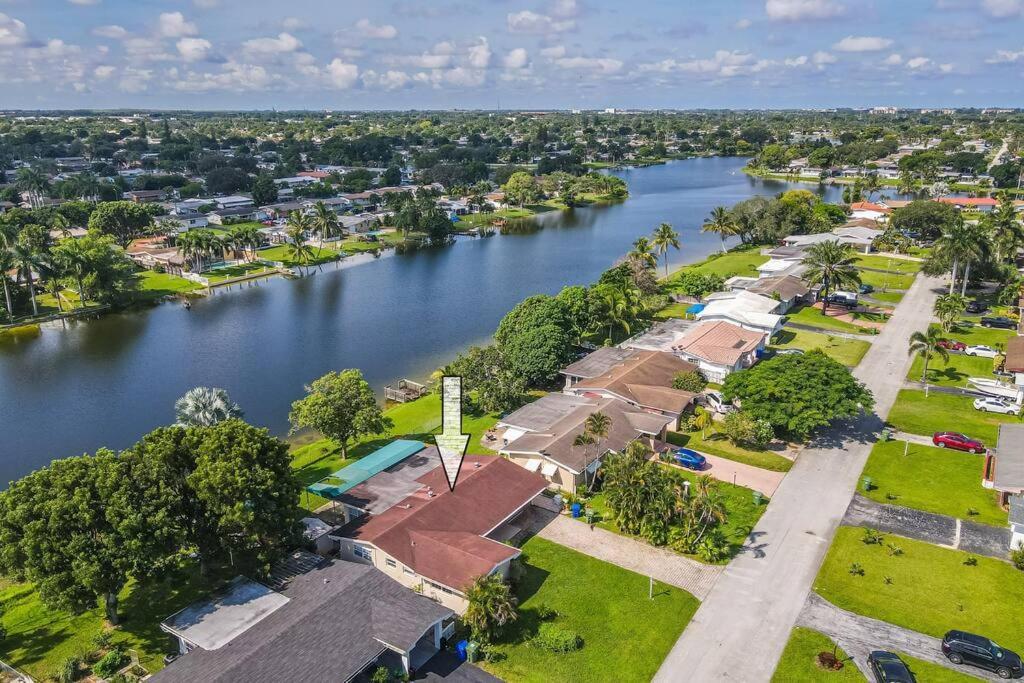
407	570
391	563
363	552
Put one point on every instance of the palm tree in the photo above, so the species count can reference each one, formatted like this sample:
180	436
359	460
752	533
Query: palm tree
872	184
300	252
961	243
245	238
619	308
28	261
832	265
196	245
928	344
948	309
6	264
720	223
72	258
491	605
906	184
702	421
596	426
643	251
34	182
205	407
664	239
325	222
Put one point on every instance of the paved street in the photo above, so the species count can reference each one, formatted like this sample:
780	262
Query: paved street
755	603
664	565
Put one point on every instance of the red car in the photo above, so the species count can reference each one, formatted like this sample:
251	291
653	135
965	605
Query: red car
960	442
952	345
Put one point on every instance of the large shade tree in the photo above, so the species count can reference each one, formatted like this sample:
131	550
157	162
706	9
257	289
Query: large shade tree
342	407
831	265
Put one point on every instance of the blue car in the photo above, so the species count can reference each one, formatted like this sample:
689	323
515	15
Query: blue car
689	459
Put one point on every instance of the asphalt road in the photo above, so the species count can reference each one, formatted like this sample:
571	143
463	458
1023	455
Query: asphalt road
742	626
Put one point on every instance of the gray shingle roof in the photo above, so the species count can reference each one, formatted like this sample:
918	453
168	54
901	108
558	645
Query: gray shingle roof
597	363
337	617
1016	509
1010	458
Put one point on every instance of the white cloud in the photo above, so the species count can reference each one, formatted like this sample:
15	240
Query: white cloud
462	77
12	31
84	3
1002	9
103	71
946	68
742	24
233	77
516	59
724	64
110	31
797	61
174	25
532	22
427	60
602	65
918	62
862	44
284	43
389	80
342	75
1005	57
367	29
553	52
821	58
194	49
895	59
480	54
135	80
147	49
798	10
293	24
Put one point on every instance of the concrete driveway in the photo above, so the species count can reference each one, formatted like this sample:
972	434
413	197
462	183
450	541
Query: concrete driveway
756	478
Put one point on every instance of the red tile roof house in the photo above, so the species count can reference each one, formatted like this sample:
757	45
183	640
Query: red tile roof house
437	541
985	204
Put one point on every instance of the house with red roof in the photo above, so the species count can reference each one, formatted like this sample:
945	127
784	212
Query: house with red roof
983	204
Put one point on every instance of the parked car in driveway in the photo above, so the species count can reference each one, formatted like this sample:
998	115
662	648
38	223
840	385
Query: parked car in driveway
957	441
981	350
975	306
866	288
889	668
973	650
845	299
952	344
690	459
999	321
996	405
715	402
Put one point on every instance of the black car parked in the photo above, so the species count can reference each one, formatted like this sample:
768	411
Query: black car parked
888	668
966	648
998	321
975	306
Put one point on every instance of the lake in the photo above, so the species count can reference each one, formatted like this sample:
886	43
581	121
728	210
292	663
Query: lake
108	381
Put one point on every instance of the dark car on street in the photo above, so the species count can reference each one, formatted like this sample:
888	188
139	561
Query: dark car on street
975	306
888	668
958	442
1002	322
961	647
866	288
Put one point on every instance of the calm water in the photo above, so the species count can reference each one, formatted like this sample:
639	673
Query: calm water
106	382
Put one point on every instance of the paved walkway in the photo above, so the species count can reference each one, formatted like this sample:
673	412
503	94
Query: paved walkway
858	636
753	606
959	534
664	565
723	469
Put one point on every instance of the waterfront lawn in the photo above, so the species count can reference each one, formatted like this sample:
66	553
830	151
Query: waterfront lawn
930	589
938	412
799	660
672	311
892	265
153	285
714	443
218	275
953	373
849	352
884	282
742	260
812	317
476	220
625	634
280	253
937	480
38	639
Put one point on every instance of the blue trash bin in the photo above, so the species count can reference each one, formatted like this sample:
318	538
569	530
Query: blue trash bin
460	649
576	510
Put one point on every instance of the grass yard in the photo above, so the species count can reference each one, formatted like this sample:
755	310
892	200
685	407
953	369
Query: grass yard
739	261
892	265
714	443
917	414
38	639
798	662
932	479
849	352
885	281
219	275
808	315
672	311
280	253
930	589
976	334
625	635
926	672
154	285
954	372
887	297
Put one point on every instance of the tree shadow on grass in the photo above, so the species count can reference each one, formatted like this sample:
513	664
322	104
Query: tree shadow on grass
949	373
529	621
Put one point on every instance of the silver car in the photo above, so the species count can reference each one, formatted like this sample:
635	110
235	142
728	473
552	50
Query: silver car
995	405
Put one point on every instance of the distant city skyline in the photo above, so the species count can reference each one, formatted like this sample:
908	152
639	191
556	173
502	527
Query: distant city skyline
510	54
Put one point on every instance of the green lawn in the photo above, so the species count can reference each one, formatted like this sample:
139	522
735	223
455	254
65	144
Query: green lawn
714	443
917	414
887	297
280	253
932	479
893	265
808	315
976	334
672	311
885	281
38	638
218	275
952	372
739	261
849	352
625	634
154	285
927	672
930	589
798	662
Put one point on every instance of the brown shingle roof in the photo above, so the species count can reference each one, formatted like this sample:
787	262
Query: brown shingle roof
1015	354
786	286
644	378
720	342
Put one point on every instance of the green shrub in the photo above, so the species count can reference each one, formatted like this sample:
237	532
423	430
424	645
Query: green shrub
69	670
1017	557
555	638
693	381
381	675
546	613
111	663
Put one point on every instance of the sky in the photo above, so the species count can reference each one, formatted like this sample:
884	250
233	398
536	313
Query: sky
511	54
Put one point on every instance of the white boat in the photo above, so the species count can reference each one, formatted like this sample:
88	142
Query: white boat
994	387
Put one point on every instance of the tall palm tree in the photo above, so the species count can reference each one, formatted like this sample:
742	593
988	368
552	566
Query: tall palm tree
906	183
948	309
205	407
597	425
664	239
619	307
643	251
720	223
927	344
6	264
297	249
491	605
961	244
831	265
34	182
325	222
28	261
73	259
